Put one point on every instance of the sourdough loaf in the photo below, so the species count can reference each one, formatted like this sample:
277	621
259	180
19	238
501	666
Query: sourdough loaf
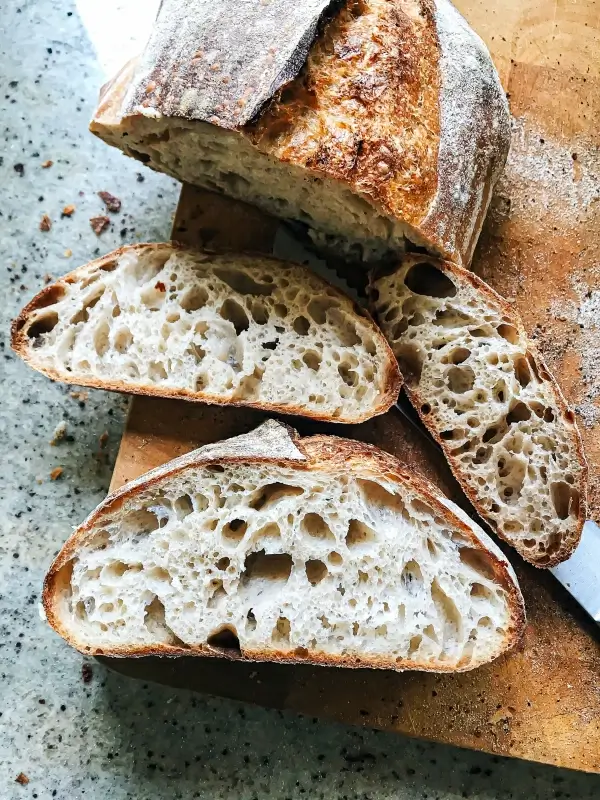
393	130
271	547
486	395
163	320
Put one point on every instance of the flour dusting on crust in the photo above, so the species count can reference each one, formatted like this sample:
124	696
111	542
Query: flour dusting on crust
473	108
220	62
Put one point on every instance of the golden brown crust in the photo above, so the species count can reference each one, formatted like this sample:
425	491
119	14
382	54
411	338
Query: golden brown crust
49	294
315	453
411	60
569	543
340	118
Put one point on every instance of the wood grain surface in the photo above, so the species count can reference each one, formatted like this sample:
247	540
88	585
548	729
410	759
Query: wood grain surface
539	248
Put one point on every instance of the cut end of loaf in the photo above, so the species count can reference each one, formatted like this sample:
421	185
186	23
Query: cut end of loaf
312	561
346	189
246	330
486	396
337	218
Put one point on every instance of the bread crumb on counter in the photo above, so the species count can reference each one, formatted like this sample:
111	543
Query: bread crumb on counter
22	779
111	202
45	223
59	433
47	164
99	224
68	210
56	473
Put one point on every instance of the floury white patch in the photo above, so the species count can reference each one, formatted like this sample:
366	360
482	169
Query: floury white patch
220	62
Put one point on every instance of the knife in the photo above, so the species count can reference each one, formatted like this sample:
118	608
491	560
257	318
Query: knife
580	574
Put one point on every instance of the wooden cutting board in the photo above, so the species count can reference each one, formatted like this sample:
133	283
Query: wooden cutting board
539	248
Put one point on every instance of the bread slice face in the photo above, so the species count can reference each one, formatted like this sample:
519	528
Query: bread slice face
487	397
271	547
360	146
231	329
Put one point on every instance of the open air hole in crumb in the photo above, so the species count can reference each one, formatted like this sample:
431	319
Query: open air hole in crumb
316	571
225	638
508	332
193	300
234	530
272	493
271	567
43	324
301	325
232	311
425	279
242	283
316	527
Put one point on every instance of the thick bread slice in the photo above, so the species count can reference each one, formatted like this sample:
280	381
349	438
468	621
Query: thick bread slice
396	128
271	547
487	397
240	329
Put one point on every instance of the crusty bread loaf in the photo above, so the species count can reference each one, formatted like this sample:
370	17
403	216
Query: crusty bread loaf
395	129
247	330
271	547
486	396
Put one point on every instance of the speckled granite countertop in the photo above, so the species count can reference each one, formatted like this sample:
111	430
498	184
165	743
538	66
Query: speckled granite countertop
77	730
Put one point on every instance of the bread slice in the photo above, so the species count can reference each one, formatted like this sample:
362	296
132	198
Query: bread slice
485	394
247	330
271	547
394	126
